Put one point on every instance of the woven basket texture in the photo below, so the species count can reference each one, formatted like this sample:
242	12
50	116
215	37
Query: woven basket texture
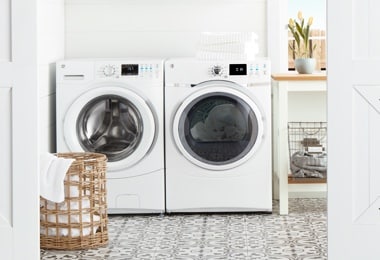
80	222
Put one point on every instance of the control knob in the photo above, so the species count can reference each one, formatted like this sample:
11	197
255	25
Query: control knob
217	70
109	70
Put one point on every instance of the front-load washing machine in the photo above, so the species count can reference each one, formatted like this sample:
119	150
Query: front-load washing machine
115	107
218	136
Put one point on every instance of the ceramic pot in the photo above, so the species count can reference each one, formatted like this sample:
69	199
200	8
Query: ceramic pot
305	65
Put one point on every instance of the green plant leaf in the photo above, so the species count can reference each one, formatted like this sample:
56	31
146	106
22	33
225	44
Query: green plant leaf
302	22
299	30
307	30
297	38
301	33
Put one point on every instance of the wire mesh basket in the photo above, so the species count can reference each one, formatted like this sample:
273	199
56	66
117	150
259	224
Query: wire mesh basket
307	143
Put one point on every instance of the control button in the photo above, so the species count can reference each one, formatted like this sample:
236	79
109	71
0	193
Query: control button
217	70
109	70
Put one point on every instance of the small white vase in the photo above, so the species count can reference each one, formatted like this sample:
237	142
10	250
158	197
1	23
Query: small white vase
304	65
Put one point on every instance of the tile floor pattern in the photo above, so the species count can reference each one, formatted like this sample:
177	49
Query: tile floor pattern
300	235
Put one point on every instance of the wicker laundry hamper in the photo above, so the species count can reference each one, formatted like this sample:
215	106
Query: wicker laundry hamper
80	222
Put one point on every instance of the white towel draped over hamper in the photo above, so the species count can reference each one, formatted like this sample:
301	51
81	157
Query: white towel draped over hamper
52	174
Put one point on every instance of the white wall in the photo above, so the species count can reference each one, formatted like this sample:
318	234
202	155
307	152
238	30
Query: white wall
5	31
50	49
156	28
278	34
124	28
307	106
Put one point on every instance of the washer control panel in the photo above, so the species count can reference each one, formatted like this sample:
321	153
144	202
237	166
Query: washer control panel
128	70
109	70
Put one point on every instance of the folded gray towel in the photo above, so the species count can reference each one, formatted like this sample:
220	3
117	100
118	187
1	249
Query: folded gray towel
308	165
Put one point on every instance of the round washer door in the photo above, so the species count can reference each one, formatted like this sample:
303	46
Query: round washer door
111	120
218	127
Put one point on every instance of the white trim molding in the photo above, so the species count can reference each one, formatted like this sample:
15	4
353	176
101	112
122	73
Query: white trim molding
278	35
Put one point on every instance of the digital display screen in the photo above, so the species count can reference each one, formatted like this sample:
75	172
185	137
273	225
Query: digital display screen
129	69
238	69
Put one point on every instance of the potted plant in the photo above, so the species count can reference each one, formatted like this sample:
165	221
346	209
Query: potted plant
303	51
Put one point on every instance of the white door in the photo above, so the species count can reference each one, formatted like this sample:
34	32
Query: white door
19	190
354	130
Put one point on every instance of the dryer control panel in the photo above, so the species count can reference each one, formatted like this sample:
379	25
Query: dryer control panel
255	69
182	71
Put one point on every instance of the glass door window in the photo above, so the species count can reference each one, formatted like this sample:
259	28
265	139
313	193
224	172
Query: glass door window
317	10
218	128
111	125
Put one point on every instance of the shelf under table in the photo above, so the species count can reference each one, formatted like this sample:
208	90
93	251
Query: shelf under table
292	180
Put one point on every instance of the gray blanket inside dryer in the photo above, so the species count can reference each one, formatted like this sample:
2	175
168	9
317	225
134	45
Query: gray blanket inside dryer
307	165
223	123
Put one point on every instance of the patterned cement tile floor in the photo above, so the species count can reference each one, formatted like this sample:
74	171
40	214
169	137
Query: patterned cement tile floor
300	235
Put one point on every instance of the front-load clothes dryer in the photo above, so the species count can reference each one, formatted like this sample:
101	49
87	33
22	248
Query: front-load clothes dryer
115	107
218	136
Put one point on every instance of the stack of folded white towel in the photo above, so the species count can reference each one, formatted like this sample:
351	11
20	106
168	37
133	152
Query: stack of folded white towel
80	217
227	46
52	176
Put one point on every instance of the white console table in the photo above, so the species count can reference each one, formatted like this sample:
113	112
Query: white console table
282	85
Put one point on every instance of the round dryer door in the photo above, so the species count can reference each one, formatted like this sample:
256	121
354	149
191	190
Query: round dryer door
218	127
113	121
